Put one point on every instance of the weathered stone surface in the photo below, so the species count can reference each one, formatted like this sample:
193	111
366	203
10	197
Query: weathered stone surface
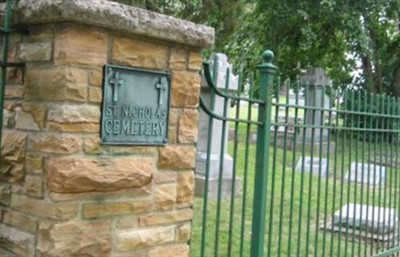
176	157
165	196
164	177
95	95
42	208
183	232
170	251
14	92
37	51
74	113
14	77
74	127
77	175
33	164
34	186
30	116
96	78
170	217
127	222
126	19
20	221
172	135
108	209
90	196
81	46
75	238
185	89
195	61
55	143
138	53
5	194
128	240
8	118
17	241
178	59
185	188
188	126
174	114
91	145
56	84
12	156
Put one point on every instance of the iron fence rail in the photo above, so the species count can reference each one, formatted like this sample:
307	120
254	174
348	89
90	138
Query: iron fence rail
301	172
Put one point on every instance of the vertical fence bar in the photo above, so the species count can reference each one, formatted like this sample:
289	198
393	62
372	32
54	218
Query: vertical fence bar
267	72
4	60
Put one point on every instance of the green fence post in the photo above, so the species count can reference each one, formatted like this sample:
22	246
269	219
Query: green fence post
267	72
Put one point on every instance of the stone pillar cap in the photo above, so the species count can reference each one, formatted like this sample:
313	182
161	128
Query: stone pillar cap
115	16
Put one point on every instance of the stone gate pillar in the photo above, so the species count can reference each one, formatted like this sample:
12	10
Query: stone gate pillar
63	192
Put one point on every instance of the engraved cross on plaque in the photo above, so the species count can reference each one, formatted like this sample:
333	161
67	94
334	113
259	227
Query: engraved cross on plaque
115	83
161	87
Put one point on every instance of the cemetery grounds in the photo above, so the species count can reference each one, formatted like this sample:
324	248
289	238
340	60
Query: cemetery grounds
301	203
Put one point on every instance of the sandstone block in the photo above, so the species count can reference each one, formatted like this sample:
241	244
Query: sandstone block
20	221
174	114
77	175
55	143
74	113
33	164
127	222
195	61
183	232
80	46
8	118
188	126
14	92
42	208
140	54
165	196
176	157
12	156
98	210
5	194
177	59
75	238
17	241
34	186
164	177
36	51
96	78
128	240
185	89
56	84
30	116
95	95
91	145
170	251
172	135
14	77
170	217
185	191
74	127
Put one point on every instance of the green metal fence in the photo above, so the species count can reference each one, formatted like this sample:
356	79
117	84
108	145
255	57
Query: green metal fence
318	171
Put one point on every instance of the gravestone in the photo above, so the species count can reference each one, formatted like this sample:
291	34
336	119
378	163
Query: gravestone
365	173
369	218
316	165
219	137
315	81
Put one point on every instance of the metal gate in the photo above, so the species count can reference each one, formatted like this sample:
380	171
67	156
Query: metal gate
311	175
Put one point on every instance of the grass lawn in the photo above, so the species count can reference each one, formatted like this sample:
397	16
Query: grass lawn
298	203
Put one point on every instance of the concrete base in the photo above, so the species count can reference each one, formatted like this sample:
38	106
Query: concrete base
226	187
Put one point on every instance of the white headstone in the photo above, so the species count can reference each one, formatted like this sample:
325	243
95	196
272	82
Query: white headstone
367	217
224	79
366	173
316	166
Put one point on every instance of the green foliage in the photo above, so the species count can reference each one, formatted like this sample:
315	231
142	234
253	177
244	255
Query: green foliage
376	117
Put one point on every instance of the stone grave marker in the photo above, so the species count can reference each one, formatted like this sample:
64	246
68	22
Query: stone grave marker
217	141
369	218
366	173
317	165
315	81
